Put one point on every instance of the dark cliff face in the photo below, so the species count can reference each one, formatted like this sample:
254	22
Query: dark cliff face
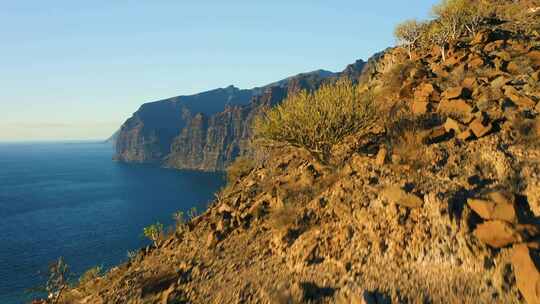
147	136
206	131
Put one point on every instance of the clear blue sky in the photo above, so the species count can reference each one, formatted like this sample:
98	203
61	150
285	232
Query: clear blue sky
77	69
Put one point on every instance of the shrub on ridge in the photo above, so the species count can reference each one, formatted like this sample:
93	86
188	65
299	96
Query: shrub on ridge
318	120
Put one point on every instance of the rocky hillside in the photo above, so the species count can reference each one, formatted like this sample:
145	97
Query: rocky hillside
206	131
437	202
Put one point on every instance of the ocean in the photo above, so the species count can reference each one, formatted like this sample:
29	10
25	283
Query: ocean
69	199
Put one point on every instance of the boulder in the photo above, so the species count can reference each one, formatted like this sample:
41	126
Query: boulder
440	71
425	92
526	273
475	63
469	83
498	206
465	135
497	234
534	56
419	107
435	135
452	93
459	107
519	99
536	76
479	128
381	156
396	195
512	68
452	125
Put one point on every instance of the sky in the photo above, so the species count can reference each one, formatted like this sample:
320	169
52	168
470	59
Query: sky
76	70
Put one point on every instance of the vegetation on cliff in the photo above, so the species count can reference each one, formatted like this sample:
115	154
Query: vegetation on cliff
318	120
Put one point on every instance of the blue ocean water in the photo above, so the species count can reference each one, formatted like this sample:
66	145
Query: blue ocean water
71	200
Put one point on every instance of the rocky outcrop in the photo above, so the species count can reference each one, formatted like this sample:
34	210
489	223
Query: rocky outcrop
206	131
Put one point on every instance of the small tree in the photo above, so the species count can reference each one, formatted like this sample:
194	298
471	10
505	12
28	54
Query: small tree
409	34
154	232
438	34
461	16
476	12
451	14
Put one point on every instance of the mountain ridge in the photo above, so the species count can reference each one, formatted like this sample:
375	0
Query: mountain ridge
208	130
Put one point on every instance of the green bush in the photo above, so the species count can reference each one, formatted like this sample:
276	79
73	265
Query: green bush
154	232
318	120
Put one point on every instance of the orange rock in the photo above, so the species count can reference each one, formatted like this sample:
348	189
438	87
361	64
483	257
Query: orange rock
452	93
458	106
381	156
440	71
396	195
424	91
475	63
480	129
497	234
452	125
535	58
497	207
419	107
451	61
436	134
512	68
465	135
536	75
518	98
527	274
469	83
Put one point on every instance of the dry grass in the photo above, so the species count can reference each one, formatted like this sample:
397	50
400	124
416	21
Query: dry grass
393	78
284	218
405	136
90	275
239	168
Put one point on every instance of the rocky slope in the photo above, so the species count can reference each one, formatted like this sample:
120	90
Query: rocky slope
206	131
438	203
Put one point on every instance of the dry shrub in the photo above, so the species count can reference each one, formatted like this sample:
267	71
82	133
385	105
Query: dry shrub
90	275
526	131
393	78
239	168
318	120
405	136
